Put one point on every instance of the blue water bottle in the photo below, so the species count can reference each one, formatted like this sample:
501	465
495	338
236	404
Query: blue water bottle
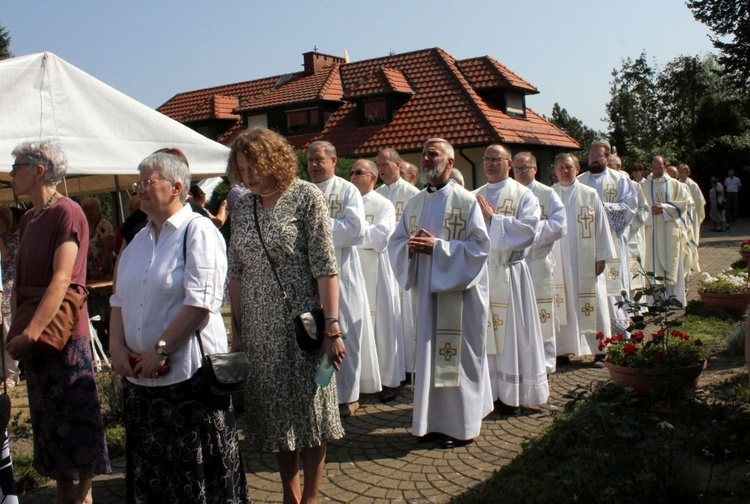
324	372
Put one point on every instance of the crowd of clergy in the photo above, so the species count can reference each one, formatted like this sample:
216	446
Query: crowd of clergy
476	297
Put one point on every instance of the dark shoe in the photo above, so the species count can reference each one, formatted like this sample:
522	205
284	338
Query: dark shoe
506	409
431	437
449	443
347	409
388	394
562	360
598	361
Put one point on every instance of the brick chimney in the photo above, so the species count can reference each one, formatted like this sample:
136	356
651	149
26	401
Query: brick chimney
315	61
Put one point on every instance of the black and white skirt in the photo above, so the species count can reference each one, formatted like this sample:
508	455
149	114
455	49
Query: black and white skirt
182	445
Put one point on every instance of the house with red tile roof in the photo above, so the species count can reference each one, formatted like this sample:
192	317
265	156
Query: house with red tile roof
396	101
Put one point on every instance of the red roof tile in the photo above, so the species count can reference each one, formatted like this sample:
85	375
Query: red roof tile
442	101
485	72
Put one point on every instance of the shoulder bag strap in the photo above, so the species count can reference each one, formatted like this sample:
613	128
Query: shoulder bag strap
268	256
184	258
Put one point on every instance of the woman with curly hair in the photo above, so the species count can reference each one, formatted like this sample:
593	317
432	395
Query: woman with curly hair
287	412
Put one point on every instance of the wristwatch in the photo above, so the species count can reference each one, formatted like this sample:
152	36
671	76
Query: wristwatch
161	348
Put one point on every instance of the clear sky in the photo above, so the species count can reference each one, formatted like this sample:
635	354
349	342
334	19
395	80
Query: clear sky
154	49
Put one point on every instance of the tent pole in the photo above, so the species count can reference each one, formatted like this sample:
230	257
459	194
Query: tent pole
118	201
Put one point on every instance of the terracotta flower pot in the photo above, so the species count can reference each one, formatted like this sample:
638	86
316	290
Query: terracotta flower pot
734	303
645	381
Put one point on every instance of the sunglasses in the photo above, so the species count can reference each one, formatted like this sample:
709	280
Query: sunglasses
357	172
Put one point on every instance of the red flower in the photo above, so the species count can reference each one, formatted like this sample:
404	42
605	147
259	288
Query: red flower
638	336
600	335
602	346
698	342
630	348
619	337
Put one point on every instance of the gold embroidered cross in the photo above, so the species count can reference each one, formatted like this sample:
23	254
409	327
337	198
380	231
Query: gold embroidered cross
507	208
610	193
334	205
399	210
448	351
544	316
544	214
613	273
587	309
634	270
413	224
585	219
455	223
496	322
558	300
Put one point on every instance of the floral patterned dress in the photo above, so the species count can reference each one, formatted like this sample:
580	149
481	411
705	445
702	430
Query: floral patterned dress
285	409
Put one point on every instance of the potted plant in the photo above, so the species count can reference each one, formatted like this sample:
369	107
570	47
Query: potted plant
656	357
745	250
729	290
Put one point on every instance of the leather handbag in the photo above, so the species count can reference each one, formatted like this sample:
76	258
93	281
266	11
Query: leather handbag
308	326
58	331
226	372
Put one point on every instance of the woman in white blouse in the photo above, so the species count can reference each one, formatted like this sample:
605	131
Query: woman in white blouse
181	439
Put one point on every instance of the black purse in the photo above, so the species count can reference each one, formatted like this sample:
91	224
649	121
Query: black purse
226	373
308	326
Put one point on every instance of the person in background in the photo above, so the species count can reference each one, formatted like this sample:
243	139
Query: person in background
101	240
382	289
717	206
288	413
408	172
457	176
732	187
200	199
170	282
64	405
9	224
135	221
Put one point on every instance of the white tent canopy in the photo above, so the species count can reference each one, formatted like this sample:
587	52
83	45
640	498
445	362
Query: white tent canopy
104	132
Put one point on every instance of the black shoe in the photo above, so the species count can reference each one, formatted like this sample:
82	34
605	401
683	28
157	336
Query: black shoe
562	360
449	443
388	394
430	437
506	409
598	361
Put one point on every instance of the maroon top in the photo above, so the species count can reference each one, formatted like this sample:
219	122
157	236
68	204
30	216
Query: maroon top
39	241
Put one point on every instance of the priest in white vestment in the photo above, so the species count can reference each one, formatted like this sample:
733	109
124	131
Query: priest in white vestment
382	289
666	233
698	214
359	372
515	347
620	203
542	261
440	248
583	250
399	191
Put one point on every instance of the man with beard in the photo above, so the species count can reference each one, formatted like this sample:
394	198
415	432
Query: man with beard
666	235
382	289
515	346
583	251
398	191
620	202
440	249
543	259
359	372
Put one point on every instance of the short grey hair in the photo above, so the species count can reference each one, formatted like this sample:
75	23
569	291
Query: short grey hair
390	154
457	175
171	168
327	147
370	167
48	153
530	159
447	147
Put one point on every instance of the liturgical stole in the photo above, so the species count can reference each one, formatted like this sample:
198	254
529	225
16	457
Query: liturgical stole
544	290
498	263
335	197
449	304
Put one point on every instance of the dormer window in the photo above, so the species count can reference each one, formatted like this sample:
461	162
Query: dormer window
514	104
375	111
303	121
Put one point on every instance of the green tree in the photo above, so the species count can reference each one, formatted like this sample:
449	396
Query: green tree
4	44
730	22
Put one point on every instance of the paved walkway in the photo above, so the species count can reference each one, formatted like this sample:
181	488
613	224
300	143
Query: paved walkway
379	460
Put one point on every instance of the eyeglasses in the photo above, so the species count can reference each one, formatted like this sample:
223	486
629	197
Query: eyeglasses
145	184
358	172
15	166
494	159
523	169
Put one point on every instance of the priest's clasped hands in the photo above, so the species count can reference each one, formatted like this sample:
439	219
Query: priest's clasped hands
421	243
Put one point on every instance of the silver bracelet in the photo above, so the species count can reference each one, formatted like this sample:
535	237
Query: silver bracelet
332	319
